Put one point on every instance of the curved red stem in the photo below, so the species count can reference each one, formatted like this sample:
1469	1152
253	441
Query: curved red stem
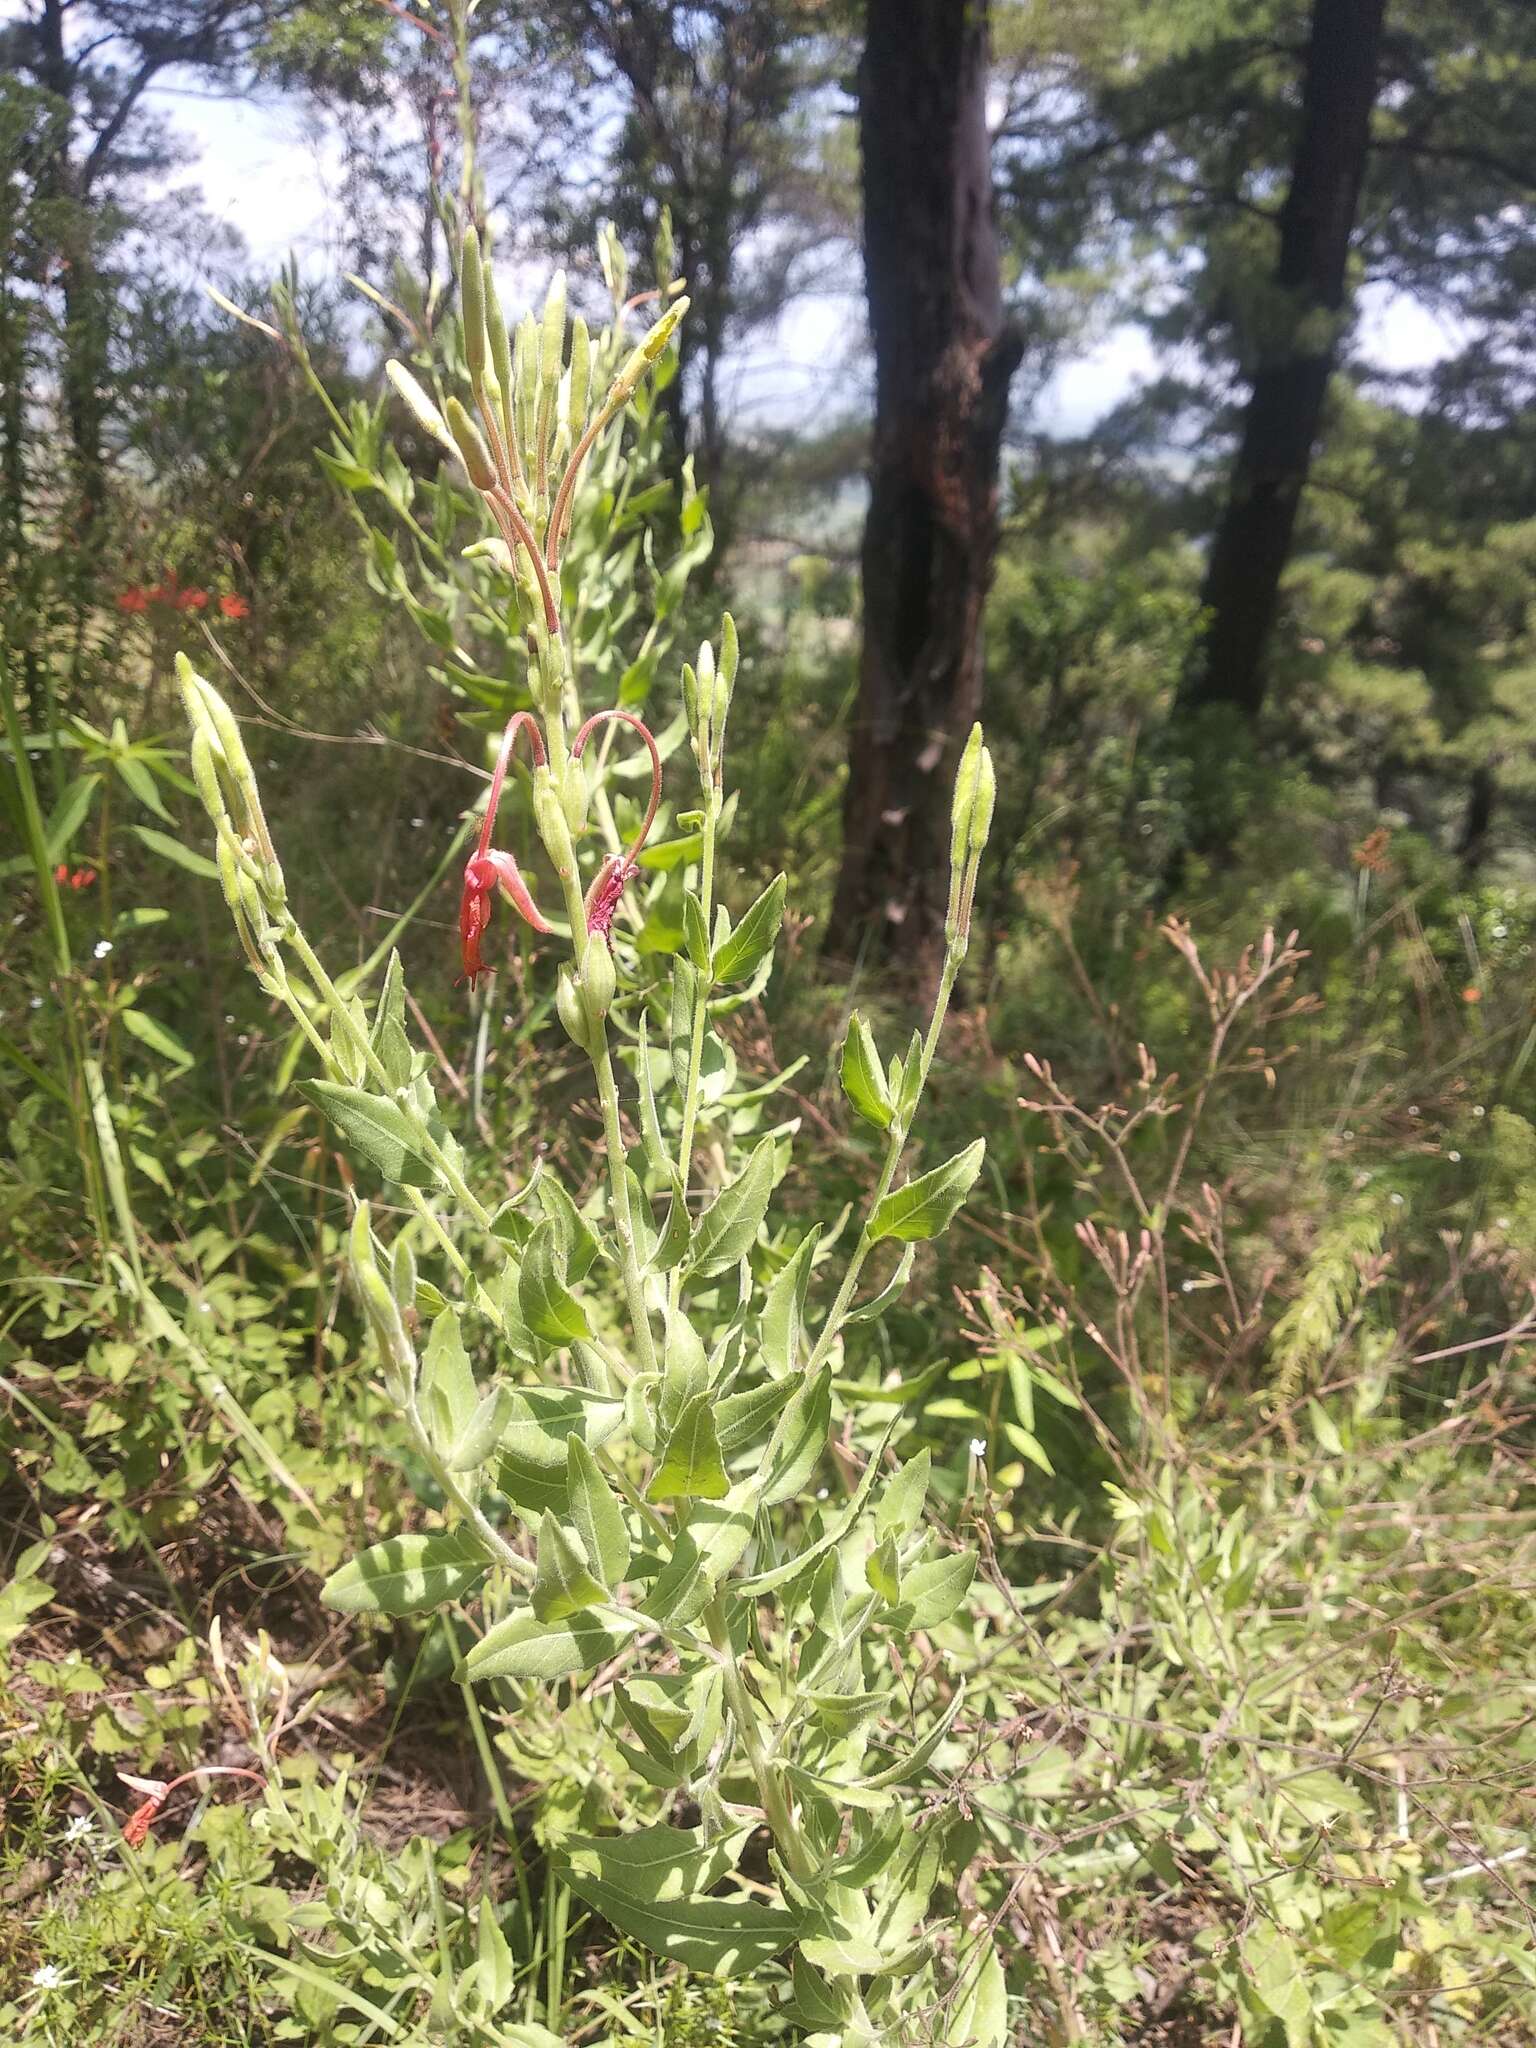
515	725
628	718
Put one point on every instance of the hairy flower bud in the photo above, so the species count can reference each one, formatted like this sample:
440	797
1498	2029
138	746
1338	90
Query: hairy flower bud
572	1011
472	306
598	982
475	455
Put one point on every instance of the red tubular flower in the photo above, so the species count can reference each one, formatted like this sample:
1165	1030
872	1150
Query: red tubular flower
234	607
190	600
619	869
61	872
134	600
487	870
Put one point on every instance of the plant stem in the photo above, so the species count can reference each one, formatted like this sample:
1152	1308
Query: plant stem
895	1145
700	1017
776	1806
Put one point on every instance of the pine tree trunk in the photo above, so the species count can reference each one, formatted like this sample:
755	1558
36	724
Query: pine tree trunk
943	359
1285	409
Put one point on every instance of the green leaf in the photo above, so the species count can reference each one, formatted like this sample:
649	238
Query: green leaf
900	1507
158	1037
716	1535
691	1467
685	1369
172	850
531	1469
653	1885
932	1592
981	2013
863	1079
377	1128
837	1527
784	1306
549	1308
741	1419
405	1574
883	1570
597	1515
870	1311
800	1438
562	1585
68	815
694	932
525	1647
728	1229
1272	1962
685	1000
483	1431
907	1767
753	939
449	1395
925	1206
495	1978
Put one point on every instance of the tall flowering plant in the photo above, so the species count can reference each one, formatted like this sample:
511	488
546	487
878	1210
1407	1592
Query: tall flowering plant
628	1406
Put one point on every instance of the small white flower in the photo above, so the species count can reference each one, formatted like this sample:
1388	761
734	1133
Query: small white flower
1397	1201
1502	1222
1501	931
1478	1109
1413	1109
1454	1157
978	1447
102	948
417	823
1186	1287
48	1977
81	1828
821	1493
36	1003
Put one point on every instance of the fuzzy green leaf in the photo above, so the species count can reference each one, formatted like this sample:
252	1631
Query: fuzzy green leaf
691	1467
654	1885
597	1515
563	1585
548	1306
924	1207
525	1647
375	1127
405	1574
753	939
728	1229
863	1081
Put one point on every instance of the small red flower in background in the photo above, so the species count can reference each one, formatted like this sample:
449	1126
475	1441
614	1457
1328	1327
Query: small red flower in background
61	872
486	869
82	878
190	600
134	600
234	607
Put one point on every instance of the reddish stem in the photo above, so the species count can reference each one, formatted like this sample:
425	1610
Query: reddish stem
628	718
515	724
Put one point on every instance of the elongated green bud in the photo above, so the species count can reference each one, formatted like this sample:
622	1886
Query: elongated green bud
579	404
472	306
981	810
613	262
691	697
473	452
641	357
665	250
420	407
966	778
501	362
206	775
525	383
552	341
730	655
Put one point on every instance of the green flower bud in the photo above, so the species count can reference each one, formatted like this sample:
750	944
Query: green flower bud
205	774
552	342
420	407
598	982
579	404
981	810
379	1306
475	455
402	1275
573	796
965	799
571	1010
472	305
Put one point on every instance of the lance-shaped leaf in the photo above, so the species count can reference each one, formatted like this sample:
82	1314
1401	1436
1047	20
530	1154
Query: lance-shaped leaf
691	1467
525	1647
930	1593
742	1419
484	1430
739	956
800	1438
531	1469
407	1574
562	1585
925	1206
836	1528
872	1309
597	1515
718	1532
376	1128
908	1766
449	1396
863	1079
900	1507
654	1885
549	1308
728	1229
784	1306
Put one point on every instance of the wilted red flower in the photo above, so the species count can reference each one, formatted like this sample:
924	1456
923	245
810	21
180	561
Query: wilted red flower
486	869
133	600
234	607
619	869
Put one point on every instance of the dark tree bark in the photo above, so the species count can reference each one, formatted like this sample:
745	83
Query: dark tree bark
1285	409
944	356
